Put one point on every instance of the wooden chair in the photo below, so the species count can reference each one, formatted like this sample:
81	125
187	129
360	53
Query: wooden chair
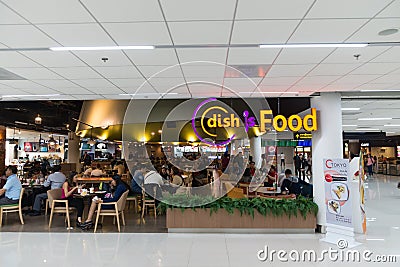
54	196
134	199
13	208
119	207
149	202
233	192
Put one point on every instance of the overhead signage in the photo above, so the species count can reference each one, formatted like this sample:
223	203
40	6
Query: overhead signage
365	144
101	146
302	136
337	194
219	117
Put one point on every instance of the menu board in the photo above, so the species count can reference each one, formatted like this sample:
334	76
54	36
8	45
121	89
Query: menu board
337	195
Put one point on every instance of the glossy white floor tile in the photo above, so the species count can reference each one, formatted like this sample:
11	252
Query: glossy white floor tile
111	249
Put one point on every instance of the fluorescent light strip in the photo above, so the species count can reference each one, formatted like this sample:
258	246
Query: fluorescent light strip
373	119
381	91
392	125
366	130
148	94
19	96
313	45
257	92
96	48
349	125
345	109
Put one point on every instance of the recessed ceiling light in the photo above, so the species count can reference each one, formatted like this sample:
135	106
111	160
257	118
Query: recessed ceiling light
313	45
96	48
346	109
373	119
388	32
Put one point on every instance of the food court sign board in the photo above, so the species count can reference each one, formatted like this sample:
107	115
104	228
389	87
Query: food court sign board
337	194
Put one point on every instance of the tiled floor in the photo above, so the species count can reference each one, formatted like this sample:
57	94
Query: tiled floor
162	249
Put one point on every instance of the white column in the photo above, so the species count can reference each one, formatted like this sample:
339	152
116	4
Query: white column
327	142
255	150
73	150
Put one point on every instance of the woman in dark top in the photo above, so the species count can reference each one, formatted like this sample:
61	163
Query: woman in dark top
120	188
68	189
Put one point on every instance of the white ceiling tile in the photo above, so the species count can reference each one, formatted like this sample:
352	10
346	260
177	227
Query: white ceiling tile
374	86
87	96
161	71
78	34
14	59
54	59
93	83
317	80
59	84
7	16
128	82
176	10
107	90
49	11
39	90
239	83
369	33
307	88
346	9
325	31
166	84
303	55
118	72
206	90
271	9
6	91
279	80
346	55
149	33
203	70
116	96
63	97
393	10
77	73
391	78
210	80
74	90
124	10
146	90
273	88
95	58
263	31
356	79
202	54
289	70
200	32
34	73
376	68
238	56
166	57
24	36
333	69
390	55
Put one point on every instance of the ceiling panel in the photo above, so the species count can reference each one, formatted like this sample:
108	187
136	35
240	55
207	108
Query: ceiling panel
177	10
346	9
161	71
77	73
346	55
127	82
124	10
356	79
93	83
15	59
325	31
376	68
393	10
39	90
78	34
74	90
95	58
303	55
7	16
204	32
60	84
203	70
87	96
241	83
289	70
279	80
24	36
166	84
166	57
107	90
271	9
217	55
54	59
139	33
390	55
374	86
317	80
119	72
390	78
49	11
369	33
34	73
251	56
333	69
263	31
206	80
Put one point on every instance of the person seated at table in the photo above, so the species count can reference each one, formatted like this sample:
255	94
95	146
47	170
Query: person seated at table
176	178
68	189
88	171
119	167
10	192
272	177
54	181
164	172
97	172
119	189
137	180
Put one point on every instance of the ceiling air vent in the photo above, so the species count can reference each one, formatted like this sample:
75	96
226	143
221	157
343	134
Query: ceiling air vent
7	75
252	71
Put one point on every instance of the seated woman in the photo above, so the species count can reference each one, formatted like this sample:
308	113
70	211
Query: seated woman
272	177
68	189
119	187
176	177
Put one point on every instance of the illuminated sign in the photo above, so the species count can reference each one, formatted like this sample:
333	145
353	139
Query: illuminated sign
303	136
225	119
365	144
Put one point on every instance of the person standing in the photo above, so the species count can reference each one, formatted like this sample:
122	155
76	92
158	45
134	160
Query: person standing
283	164
303	166
370	163
9	194
297	163
87	160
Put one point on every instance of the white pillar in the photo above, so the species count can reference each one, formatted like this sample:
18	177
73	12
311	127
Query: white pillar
73	150
255	150
327	142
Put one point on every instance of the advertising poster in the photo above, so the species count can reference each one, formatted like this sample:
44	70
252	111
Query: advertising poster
361	174
337	194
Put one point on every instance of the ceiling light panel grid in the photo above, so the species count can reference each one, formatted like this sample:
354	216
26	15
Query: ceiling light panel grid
24	36
55	59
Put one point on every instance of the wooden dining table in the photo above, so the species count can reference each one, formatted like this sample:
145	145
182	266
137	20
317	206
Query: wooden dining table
93	180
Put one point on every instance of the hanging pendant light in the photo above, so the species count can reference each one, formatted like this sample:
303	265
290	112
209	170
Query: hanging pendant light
91	142
38	119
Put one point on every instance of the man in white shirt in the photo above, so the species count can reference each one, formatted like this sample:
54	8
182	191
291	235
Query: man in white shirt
97	172
283	165
153	177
